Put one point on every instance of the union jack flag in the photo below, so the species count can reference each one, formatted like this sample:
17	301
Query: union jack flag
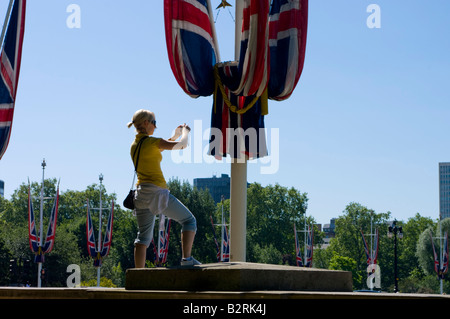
298	253
51	230
372	256
287	42
90	236
98	253
163	240
108	234
445	255
215	239
32	234
191	45
34	239
10	60
309	247
441	270
225	245
254	53
307	261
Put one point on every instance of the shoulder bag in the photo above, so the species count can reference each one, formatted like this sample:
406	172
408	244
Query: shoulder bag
129	200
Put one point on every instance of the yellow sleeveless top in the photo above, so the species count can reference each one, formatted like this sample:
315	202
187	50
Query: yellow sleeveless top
149	165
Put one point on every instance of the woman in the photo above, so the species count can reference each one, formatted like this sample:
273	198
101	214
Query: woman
152	196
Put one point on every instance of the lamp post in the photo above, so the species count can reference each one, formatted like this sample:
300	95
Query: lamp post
395	230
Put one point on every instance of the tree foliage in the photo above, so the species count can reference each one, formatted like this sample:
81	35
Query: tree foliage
272	212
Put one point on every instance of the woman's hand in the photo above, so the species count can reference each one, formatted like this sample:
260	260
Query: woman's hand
181	130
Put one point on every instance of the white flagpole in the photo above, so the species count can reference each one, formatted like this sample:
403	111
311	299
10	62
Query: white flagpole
213	28
238	187
41	213
5	25
100	228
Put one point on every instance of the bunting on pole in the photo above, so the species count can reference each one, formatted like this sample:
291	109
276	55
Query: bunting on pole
90	236
270	62
98	253
191	45
161	250
10	60
309	247
215	240
225	245
164	234
298	253
32	234
445	255
287	43
435	257
371	256
33	237
440	270
240	96
51	230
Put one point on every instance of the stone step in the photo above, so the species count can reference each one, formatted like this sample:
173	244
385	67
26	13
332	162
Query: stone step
238	276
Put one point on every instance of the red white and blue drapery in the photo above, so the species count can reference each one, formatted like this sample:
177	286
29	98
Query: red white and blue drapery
10	59
272	53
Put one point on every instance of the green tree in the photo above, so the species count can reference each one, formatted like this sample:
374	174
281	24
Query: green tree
349	243
271	214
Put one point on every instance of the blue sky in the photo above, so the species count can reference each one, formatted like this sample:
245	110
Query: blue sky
367	123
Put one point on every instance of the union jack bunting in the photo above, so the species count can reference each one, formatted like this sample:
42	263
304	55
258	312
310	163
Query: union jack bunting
441	270
90	236
237	122
215	239
270	62
51	230
435	257
108	234
190	44
445	256
298	253
254	53
165	249
32	234
98	253
308	258
34	239
371	256
309	247
163	240
10	60
287	42
225	245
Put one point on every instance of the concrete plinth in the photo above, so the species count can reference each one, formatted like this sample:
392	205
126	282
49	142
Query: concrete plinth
238	276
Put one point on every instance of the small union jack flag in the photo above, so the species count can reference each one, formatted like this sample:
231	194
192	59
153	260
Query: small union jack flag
10	59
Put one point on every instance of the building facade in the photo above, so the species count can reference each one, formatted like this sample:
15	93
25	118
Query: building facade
217	186
444	190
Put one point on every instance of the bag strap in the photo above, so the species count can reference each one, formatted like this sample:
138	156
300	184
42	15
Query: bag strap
138	150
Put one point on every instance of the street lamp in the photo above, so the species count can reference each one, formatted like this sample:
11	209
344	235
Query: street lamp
395	230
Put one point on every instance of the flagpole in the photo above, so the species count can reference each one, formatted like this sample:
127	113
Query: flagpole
41	212
221	234
5	25
441	259
100	177
238	187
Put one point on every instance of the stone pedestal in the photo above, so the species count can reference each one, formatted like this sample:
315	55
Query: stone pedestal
238	276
